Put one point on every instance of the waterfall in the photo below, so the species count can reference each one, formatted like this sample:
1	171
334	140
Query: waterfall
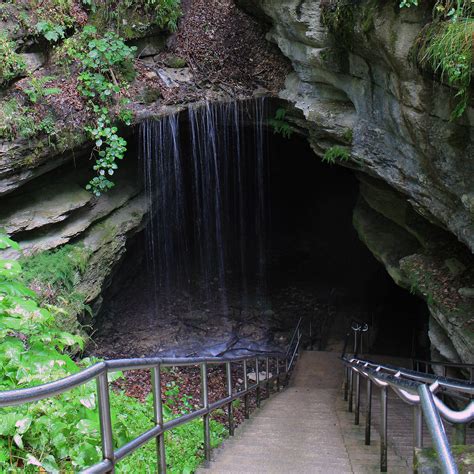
205	178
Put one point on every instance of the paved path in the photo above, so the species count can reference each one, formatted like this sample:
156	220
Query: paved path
304	429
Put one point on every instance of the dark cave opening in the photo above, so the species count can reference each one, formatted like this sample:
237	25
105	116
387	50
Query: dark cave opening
314	266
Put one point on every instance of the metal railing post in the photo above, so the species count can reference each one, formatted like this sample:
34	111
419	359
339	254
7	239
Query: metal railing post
257	379
383	429
230	408
351	376
205	418
158	411
459	433
267	370
417	432
417	427
105	419
246	396
357	398
346	383
438	433
278	373
368	412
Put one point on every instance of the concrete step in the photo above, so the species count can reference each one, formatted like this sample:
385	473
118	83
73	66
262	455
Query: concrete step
304	429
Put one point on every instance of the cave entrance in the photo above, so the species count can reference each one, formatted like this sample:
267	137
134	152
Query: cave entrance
236	273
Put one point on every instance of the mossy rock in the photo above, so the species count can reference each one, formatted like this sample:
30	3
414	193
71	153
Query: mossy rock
176	62
427	462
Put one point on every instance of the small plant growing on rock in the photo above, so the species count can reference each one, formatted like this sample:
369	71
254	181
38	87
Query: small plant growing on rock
280	124
448	50
11	63
336	153
37	89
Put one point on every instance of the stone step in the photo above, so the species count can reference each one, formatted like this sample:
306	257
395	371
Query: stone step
304	429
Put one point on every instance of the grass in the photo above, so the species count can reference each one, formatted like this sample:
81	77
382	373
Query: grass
447	49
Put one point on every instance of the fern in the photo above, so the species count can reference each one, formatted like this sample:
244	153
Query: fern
280	125
336	153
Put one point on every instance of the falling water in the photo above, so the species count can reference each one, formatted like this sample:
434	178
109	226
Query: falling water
206	186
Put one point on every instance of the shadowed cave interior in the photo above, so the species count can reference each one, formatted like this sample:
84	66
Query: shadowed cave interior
302	258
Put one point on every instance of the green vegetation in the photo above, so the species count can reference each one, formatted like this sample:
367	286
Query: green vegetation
280	124
139	15
50	31
106	68
11	63
339	20
37	89
91	41
54	275
348	135
17	120
336	153
62	434
447	49
445	46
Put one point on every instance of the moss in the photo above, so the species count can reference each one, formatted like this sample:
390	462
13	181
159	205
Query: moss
175	62
367	16
339	19
348	135
151	95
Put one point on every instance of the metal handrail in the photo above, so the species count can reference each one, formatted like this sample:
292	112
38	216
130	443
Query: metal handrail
416	388
100	371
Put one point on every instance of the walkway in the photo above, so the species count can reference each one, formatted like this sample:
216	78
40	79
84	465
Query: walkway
304	429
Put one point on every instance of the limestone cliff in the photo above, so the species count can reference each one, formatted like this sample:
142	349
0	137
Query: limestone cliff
357	86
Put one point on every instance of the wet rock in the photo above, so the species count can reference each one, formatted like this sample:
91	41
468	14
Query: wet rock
399	120
466	292
150	46
173	77
455	267
34	61
176	62
43	206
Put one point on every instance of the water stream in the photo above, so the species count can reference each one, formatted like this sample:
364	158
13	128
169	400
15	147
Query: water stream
206	187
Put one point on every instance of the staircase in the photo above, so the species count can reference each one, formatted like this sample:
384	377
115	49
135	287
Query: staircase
304	429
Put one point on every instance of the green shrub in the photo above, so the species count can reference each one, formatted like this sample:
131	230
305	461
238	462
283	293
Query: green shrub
54	275
62	434
11	63
106	63
336	153
144	13
50	31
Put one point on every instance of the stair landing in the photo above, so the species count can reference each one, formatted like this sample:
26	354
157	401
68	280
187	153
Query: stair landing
304	429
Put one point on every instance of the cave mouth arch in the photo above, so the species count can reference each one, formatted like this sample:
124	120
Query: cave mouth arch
315	265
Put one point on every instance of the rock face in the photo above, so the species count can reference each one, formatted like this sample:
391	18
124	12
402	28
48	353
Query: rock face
359	87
